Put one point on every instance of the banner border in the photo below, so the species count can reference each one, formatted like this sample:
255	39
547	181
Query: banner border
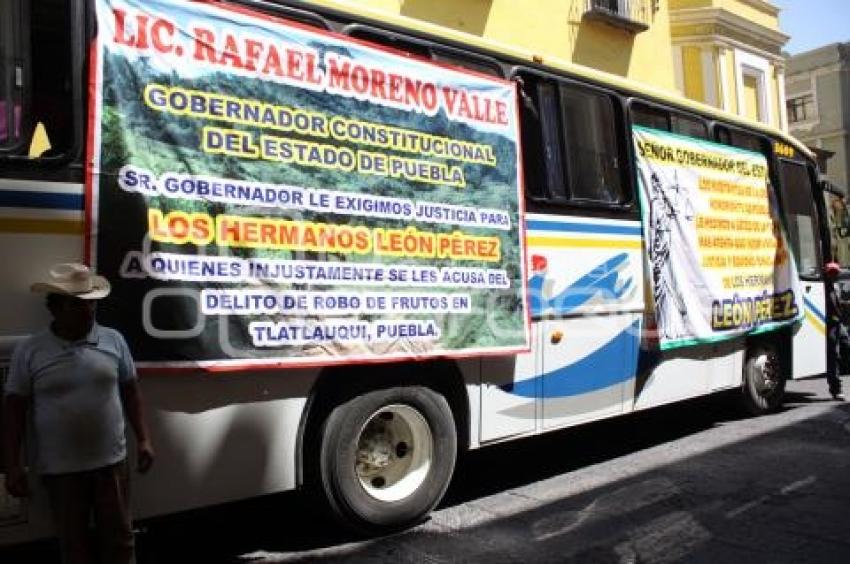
767	327
93	159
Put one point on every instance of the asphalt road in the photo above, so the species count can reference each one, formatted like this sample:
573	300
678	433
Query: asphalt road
692	482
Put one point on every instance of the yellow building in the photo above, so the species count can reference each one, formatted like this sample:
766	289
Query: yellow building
726	53
630	38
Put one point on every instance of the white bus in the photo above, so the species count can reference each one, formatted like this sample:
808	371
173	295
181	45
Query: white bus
601	248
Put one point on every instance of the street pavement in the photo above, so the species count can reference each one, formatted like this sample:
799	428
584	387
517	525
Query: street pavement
692	482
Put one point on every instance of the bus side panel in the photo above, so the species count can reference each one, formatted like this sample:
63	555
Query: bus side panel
591	375
504	414
809	356
41	223
220	437
692	372
586	294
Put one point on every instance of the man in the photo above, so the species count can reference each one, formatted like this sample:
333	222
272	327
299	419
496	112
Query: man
77	381
837	339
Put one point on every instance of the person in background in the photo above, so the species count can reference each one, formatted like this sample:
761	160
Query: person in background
840	223
838	338
77	382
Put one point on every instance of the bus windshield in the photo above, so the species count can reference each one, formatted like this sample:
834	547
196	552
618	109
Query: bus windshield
800	210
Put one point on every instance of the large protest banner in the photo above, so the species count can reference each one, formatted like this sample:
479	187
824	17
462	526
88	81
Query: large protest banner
718	254
266	193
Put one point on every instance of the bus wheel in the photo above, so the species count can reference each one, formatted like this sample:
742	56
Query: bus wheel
387	456
764	380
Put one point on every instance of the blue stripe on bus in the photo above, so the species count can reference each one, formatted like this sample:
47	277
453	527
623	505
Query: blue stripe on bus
813	308
613	363
30	199
537	225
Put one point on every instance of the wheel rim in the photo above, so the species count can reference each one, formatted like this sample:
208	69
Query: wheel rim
764	374
395	451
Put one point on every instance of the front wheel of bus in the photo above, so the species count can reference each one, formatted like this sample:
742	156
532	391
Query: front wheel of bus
387	457
764	380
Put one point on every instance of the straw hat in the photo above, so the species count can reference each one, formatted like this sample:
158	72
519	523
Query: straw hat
72	279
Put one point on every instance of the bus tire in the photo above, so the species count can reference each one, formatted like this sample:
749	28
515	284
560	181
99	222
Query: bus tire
763	387
387	456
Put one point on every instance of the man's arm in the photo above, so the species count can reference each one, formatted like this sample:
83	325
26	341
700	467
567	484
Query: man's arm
14	423
131	398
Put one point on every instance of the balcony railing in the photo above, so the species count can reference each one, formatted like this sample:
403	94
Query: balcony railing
632	15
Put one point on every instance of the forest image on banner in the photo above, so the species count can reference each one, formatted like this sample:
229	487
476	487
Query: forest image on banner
267	193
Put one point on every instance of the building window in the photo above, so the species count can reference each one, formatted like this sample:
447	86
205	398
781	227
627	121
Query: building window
801	108
631	15
751	78
614	6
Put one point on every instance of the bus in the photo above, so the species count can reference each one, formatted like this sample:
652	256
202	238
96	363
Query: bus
346	247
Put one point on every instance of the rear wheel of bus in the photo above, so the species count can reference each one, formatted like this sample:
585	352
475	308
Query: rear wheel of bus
387	456
763	386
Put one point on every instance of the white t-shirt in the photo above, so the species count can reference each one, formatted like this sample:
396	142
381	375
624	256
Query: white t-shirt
76	410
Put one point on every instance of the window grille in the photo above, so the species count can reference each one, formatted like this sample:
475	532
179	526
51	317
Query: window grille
633	15
801	108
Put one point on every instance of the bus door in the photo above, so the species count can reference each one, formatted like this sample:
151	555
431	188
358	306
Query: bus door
586	299
584	258
804	231
593	298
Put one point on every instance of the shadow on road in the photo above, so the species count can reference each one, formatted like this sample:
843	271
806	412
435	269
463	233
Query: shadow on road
294	522
625	520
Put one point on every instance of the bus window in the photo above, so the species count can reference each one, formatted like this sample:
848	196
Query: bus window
742	140
51	52
592	146
387	39
551	143
38	113
572	146
532	143
424	49
296	15
666	120
653	118
798	201
461	60
11	72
